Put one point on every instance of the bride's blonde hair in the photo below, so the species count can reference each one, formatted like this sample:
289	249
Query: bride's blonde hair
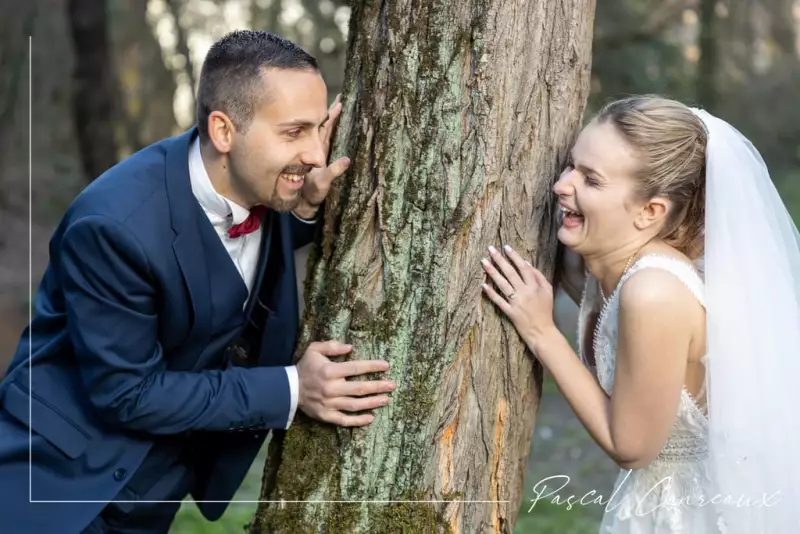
670	141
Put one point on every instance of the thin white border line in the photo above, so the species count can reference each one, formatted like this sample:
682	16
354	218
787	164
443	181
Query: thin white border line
30	266
30	355
283	502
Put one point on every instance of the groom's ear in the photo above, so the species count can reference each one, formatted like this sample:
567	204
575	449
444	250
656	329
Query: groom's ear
220	131
653	212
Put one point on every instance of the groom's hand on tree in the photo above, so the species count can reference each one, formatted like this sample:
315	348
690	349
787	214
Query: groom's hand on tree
326	394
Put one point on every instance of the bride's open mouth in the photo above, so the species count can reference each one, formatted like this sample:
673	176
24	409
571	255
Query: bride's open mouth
570	218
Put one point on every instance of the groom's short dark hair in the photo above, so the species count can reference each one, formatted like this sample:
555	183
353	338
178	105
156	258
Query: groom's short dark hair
231	79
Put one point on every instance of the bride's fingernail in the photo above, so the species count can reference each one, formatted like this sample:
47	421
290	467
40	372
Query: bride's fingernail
508	248
492	250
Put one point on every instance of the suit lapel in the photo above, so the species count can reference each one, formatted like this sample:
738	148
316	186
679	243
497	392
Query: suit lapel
185	215
266	239
279	293
289	284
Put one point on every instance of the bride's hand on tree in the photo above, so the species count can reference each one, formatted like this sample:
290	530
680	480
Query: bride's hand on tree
523	294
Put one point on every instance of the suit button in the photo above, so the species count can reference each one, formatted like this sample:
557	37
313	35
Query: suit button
119	474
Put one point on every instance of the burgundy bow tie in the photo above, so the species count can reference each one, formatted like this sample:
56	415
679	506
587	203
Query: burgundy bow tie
250	224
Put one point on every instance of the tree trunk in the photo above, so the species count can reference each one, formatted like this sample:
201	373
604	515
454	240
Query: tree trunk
457	116
707	67
15	30
182	47
146	85
94	99
331	62
782	25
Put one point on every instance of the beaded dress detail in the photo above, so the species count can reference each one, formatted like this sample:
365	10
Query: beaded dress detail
672	494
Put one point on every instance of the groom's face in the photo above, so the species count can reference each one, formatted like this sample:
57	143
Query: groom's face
596	192
283	143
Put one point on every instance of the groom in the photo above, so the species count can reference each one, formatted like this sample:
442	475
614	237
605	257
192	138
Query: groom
160	352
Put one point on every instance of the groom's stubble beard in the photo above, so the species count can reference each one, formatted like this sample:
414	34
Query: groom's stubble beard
249	190
281	204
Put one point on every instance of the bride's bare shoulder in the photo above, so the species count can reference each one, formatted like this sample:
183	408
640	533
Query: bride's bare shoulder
659	291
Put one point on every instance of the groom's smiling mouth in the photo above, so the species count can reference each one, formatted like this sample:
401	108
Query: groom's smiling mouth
294	178
295	175
293	181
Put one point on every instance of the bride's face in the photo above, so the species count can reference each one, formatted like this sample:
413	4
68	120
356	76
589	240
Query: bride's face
596	192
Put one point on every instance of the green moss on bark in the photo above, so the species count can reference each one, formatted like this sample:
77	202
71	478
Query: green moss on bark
408	518
305	467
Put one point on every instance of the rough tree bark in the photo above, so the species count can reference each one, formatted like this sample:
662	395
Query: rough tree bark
457	116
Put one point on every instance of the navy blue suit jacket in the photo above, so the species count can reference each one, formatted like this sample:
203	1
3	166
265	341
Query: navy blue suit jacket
132	320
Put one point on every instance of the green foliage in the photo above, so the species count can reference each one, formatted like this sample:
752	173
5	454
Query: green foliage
545	518
788	185
630	56
548	518
190	521
643	67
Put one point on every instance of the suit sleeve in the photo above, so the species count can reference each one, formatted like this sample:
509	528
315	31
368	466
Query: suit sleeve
111	307
304	230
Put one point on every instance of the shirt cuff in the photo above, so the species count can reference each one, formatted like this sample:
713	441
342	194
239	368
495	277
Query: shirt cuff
307	221
294	387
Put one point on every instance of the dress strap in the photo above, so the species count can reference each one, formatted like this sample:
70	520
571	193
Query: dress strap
684	271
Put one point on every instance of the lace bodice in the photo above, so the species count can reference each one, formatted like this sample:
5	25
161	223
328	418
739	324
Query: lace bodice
682	459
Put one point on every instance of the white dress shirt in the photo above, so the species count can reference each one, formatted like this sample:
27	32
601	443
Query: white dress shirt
243	250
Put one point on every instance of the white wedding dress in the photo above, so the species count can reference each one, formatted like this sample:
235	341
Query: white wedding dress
672	494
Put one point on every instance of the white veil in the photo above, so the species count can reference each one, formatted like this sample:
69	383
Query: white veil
752	276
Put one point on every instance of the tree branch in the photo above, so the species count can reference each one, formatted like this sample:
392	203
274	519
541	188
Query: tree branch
183	49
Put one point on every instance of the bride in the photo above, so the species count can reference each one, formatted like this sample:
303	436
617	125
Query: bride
686	267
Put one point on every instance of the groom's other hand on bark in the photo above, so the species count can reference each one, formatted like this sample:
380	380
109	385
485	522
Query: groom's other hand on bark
326	394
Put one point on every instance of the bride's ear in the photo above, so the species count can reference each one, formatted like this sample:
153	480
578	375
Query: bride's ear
652	213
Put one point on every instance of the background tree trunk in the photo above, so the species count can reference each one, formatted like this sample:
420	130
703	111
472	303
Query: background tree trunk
182	47
707	67
94	100
457	116
15	30
145	84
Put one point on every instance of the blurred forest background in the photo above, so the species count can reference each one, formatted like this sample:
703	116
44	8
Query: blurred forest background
110	77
